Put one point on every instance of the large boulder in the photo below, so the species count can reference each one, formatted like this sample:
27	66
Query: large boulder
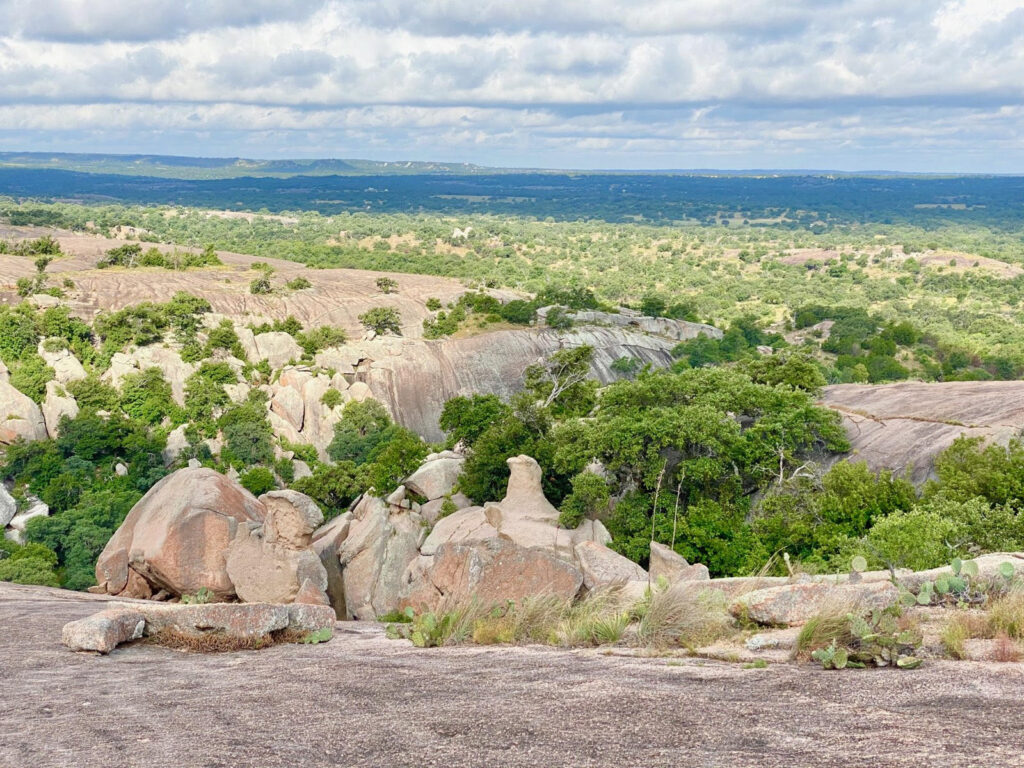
462	527
525	517
176	537
19	523
437	475
58	404
491	572
8	507
604	567
672	567
796	603
20	417
271	562
382	541
104	631
327	541
277	348
66	367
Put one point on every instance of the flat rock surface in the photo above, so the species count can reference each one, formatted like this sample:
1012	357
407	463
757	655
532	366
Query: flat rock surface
364	700
895	426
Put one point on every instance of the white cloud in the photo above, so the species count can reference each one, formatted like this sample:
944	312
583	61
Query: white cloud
660	81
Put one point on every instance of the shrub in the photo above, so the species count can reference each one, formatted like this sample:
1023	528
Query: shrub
589	498
382	320
258	480
260	285
387	284
299	283
331	398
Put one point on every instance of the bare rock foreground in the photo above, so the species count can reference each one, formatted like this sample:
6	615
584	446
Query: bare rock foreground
364	700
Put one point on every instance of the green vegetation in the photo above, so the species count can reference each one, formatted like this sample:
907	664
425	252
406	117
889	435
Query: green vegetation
130	255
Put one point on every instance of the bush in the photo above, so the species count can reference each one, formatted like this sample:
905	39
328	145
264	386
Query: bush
589	498
331	398
298	284
30	376
333	486
387	284
382	320
258	480
261	285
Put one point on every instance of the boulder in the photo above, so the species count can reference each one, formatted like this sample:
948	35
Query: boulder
8	507
796	603
66	367
57	405
20	417
525	517
241	620
673	567
176	537
437	475
287	403
381	543
176	443
603	567
327	541
988	569
271	562
277	348
104	631
467	526
301	469
248	342
432	509
491	572
359	392
19	522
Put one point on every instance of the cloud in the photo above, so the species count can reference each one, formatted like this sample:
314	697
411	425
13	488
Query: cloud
670	83
140	20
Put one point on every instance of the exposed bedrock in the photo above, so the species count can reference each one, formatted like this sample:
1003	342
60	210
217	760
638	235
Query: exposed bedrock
904	426
416	383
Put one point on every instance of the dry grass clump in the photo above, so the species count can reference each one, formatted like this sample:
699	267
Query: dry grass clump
210	642
1005	648
608	616
961	628
683	615
222	642
1007	614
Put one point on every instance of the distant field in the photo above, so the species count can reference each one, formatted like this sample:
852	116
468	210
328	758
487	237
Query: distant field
810	202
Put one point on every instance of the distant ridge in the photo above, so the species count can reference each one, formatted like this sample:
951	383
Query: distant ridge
204	168
179	167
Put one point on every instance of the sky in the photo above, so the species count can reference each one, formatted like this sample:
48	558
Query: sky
912	85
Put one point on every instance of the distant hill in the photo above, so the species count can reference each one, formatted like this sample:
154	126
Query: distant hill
175	167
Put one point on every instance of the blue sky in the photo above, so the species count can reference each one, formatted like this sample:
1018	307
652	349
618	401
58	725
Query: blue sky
917	85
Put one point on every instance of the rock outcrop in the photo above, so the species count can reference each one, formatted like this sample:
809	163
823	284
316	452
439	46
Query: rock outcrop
249	622
903	427
796	603
171	366
297	411
673	568
273	561
476	550
491	572
19	522
680	330
176	537
56	406
20	417
415	378
382	541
